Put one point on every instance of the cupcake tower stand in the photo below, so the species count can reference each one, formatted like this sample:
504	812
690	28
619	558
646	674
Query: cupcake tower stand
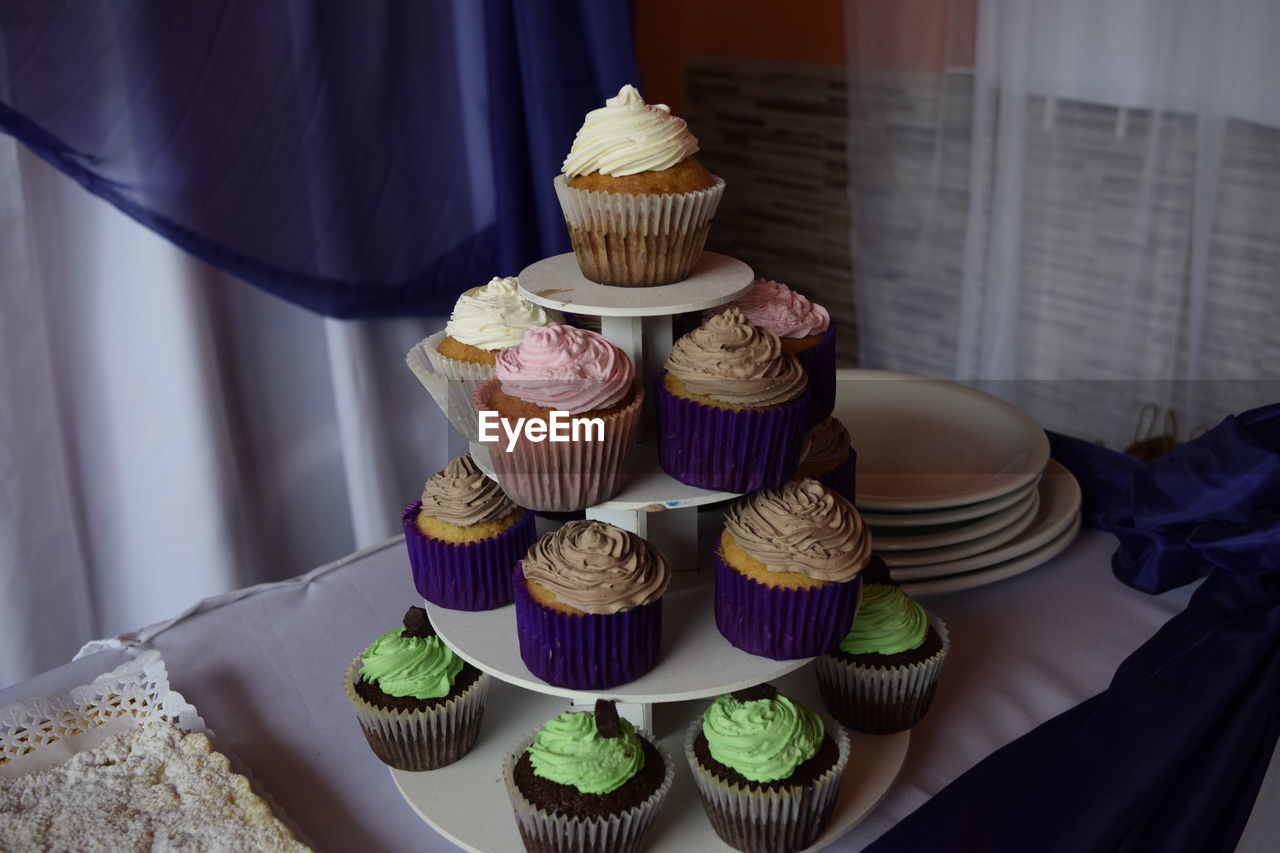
466	801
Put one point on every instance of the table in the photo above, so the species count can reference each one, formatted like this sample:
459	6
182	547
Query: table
264	667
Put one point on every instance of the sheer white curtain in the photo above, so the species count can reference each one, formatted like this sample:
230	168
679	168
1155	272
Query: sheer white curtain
1077	208
169	433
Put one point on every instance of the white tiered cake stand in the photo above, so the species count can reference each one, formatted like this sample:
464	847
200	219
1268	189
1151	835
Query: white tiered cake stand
464	800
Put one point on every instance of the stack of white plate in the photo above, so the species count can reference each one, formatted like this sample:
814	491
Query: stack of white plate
957	485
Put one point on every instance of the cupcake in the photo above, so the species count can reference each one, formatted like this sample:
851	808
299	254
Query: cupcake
589	606
767	770
586	782
464	537
788	570
560	414
828	457
732	407
418	703
452	363
806	331
637	203
882	677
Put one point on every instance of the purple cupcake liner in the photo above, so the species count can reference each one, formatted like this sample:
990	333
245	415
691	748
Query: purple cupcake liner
470	575
590	651
843	479
733	450
783	624
819	363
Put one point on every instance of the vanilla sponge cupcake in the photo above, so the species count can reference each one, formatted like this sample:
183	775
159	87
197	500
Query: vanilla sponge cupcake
637	203
805	330
589	606
732	407
464	536
788	570
829	457
579	379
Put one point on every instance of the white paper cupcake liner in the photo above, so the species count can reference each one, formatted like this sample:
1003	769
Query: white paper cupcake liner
637	240
450	382
420	740
881	700
543	831
763	820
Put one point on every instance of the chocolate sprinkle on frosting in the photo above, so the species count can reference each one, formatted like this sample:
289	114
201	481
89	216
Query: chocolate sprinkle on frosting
751	694
607	722
416	624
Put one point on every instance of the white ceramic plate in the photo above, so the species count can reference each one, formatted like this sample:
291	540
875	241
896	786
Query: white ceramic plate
1059	507
931	444
947	516
940	535
998	572
965	549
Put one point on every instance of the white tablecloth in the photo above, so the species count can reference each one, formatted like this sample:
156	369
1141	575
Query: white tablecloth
264	669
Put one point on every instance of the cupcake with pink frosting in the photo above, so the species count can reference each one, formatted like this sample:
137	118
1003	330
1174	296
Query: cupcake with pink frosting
559	418
804	329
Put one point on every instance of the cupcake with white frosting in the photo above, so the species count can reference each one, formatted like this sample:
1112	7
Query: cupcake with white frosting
788	570
589	606
637	202
464	536
732	407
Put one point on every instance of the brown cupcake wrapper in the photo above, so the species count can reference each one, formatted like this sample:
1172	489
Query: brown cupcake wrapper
544	832
565	476
419	740
881	701
758	820
637	240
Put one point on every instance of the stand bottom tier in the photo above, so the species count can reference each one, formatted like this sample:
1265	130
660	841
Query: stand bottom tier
467	803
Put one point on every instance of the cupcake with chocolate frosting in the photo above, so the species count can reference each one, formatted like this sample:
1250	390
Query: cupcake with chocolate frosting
882	677
788	570
567	384
806	331
767	770
828	457
589	606
418	703
732	407
637	202
464	536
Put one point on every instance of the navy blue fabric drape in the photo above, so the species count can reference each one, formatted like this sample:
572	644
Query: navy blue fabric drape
1171	755
360	159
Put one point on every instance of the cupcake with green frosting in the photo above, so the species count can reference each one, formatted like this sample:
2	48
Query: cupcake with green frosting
418	703
767	768
882	677
587	781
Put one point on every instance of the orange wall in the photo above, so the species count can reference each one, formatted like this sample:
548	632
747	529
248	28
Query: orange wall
897	34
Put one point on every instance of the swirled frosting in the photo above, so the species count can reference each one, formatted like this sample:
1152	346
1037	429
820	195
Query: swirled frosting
731	361
887	622
775	306
566	369
423	667
569	750
627	136
597	568
462	495
495	316
763	739
826	442
804	527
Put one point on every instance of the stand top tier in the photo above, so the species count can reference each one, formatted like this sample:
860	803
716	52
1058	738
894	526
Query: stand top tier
556	282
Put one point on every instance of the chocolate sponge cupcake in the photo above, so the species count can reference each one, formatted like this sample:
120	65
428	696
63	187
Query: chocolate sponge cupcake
882	677
586	782
418	703
767	770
